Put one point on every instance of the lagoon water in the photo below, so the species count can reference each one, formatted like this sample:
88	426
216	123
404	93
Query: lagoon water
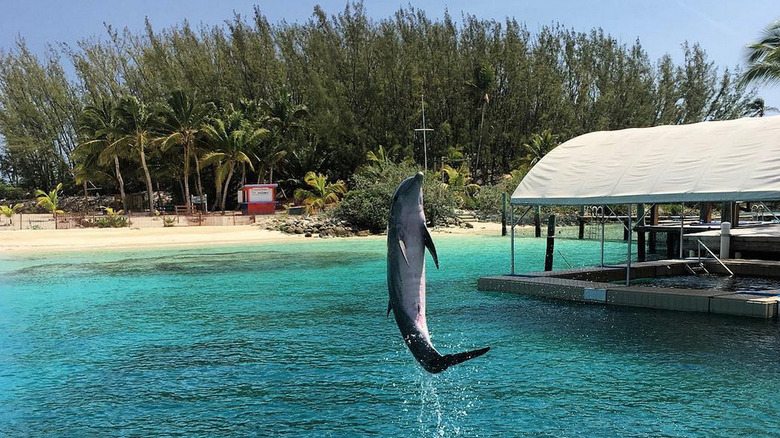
292	340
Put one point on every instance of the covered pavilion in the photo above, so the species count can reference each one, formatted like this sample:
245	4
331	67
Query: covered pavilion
715	161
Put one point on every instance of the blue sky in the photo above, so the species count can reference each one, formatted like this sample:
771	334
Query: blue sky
722	27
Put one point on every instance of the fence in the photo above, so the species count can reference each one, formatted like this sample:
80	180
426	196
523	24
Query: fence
66	221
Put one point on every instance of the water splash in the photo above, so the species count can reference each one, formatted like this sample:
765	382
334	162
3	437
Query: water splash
430	418
445	403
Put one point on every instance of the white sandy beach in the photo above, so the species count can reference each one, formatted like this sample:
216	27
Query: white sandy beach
40	241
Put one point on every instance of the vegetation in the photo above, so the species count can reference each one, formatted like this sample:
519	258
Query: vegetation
112	219
764	57
488	200
459	183
539	146
9	211
50	201
367	206
322	193
217	106
8	191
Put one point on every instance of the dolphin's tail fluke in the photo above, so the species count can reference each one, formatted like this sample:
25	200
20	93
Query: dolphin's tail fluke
454	359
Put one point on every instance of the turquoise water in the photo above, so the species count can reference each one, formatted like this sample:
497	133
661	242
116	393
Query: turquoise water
292	340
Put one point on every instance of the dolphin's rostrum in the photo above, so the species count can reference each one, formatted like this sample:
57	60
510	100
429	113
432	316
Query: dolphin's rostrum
407	238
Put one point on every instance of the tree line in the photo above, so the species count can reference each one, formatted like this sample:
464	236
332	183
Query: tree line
199	109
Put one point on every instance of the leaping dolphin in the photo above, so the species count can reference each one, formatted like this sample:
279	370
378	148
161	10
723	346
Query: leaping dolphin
407	238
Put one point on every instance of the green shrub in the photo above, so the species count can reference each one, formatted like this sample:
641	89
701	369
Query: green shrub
8	191
365	209
367	206
112	219
487	201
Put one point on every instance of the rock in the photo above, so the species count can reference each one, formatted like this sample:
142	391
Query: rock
307	235
363	233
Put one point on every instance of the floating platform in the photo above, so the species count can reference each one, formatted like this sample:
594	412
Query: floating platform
594	285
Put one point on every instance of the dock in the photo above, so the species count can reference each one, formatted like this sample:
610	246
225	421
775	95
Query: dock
594	285
757	241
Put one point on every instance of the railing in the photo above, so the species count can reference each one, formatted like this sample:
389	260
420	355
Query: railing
565	259
701	244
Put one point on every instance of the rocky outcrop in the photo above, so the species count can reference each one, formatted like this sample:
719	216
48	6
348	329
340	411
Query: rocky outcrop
316	227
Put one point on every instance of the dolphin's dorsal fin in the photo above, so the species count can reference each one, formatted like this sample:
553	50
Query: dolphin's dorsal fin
429	244
403	251
389	307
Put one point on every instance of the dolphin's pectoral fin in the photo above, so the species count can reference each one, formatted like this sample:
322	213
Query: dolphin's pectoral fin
403	251
429	244
389	307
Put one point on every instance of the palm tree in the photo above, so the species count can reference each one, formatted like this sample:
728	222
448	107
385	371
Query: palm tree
382	156
9	211
286	119
97	128
539	146
137	127
231	138
322	195
757	108
459	182
483	77
50	201
764	57
184	117
284	114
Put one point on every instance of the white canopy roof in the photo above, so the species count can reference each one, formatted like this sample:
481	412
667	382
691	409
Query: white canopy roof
733	160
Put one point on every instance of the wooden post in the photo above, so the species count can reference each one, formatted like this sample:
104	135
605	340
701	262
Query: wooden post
705	212
651	241
641	254
670	244
537	221
503	214
581	221
548	255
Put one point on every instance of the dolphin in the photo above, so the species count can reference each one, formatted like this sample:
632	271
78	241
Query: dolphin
407	238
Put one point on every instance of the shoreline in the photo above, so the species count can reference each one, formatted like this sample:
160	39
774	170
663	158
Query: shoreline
29	242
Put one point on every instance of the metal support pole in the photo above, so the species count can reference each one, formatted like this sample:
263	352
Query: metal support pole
424	131
603	225
628	261
512	237
682	229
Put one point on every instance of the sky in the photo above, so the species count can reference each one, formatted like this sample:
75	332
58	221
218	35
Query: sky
722	27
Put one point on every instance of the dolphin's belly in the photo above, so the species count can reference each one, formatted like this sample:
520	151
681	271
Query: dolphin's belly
407	296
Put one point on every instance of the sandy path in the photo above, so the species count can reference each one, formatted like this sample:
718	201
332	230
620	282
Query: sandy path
38	241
